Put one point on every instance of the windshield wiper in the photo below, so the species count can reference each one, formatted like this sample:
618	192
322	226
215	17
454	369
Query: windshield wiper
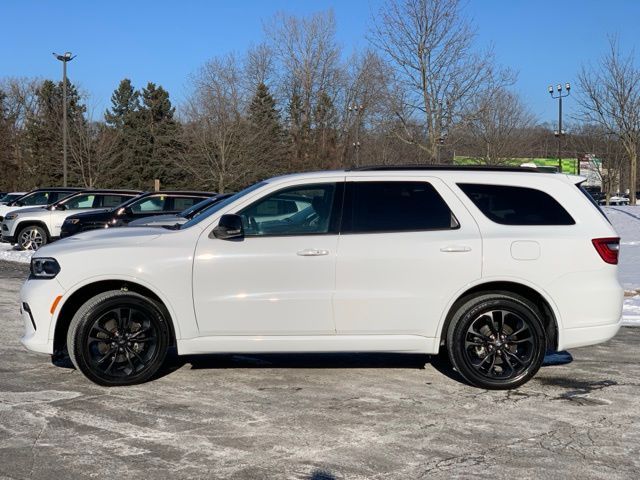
172	227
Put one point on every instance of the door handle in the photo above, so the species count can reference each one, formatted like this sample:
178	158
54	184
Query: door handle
455	248
312	252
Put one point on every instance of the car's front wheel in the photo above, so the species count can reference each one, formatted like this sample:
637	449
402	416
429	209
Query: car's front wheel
496	340
118	338
31	237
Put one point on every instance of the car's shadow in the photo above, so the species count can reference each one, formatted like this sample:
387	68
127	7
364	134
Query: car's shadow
341	360
309	360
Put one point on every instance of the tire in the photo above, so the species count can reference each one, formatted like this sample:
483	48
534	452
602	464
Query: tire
118	338
31	237
497	362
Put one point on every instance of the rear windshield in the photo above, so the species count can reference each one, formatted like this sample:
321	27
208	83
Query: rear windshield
509	205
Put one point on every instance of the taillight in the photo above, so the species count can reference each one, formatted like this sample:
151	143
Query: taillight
608	248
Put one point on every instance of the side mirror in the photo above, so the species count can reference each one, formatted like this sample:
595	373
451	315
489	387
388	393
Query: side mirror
229	228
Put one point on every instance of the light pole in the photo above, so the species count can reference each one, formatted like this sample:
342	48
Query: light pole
560	133
67	57
357	110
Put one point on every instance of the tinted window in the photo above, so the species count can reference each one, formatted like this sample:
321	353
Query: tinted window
56	196
113	200
182	203
80	201
37	198
395	207
510	205
149	204
292	211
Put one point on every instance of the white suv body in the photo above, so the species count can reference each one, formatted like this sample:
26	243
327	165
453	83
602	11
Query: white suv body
33	227
358	282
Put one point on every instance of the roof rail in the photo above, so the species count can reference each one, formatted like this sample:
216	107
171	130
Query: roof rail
490	168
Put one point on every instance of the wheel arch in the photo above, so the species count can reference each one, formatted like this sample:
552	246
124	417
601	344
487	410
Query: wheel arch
549	313
84	292
32	223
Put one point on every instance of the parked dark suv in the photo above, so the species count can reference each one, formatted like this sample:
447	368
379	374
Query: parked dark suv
145	205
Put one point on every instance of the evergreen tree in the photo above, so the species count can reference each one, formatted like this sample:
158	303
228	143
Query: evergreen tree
44	132
265	139
124	118
161	135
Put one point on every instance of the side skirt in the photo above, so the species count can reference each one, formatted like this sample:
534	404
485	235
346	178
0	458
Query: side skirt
312	343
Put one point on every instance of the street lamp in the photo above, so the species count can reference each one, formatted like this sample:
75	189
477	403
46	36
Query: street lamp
560	132
67	57
357	110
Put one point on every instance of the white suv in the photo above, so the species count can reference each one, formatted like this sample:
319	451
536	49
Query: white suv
491	267
31	228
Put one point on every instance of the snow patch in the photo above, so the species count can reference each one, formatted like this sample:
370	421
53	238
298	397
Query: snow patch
8	252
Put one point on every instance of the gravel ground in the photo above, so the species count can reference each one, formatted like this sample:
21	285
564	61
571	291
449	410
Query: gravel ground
315	417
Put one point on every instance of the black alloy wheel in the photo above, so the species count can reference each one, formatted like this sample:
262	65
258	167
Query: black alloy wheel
118	338
496	341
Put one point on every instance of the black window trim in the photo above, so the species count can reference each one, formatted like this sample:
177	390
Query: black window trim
335	222
349	191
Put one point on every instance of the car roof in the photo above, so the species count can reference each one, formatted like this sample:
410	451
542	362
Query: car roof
180	192
56	189
385	170
110	190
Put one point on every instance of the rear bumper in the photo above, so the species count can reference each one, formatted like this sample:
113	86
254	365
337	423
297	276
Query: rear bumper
583	336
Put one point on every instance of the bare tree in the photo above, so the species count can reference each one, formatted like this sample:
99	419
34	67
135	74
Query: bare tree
610	97
438	71
215	126
18	104
309	74
93	147
499	129
605	153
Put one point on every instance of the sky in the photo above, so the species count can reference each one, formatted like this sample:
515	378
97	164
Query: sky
164	42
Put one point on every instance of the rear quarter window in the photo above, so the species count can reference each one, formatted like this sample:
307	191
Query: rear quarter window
510	205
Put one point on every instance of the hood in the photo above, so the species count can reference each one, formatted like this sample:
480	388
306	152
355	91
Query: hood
4	209
27	209
102	238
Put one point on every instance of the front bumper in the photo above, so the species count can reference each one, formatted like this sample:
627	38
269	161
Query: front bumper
8	231
36	298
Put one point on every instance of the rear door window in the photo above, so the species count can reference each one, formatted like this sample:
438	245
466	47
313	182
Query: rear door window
111	201
182	203
149	204
372	207
510	205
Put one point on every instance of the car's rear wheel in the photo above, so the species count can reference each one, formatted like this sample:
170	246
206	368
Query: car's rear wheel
32	237
118	338
496	340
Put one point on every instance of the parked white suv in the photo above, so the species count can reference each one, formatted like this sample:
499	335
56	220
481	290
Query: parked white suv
493	267
31	228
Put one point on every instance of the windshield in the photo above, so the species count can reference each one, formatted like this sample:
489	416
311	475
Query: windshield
10	197
219	205
191	211
75	199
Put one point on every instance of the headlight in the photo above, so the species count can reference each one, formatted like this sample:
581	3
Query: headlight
72	221
11	216
44	267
